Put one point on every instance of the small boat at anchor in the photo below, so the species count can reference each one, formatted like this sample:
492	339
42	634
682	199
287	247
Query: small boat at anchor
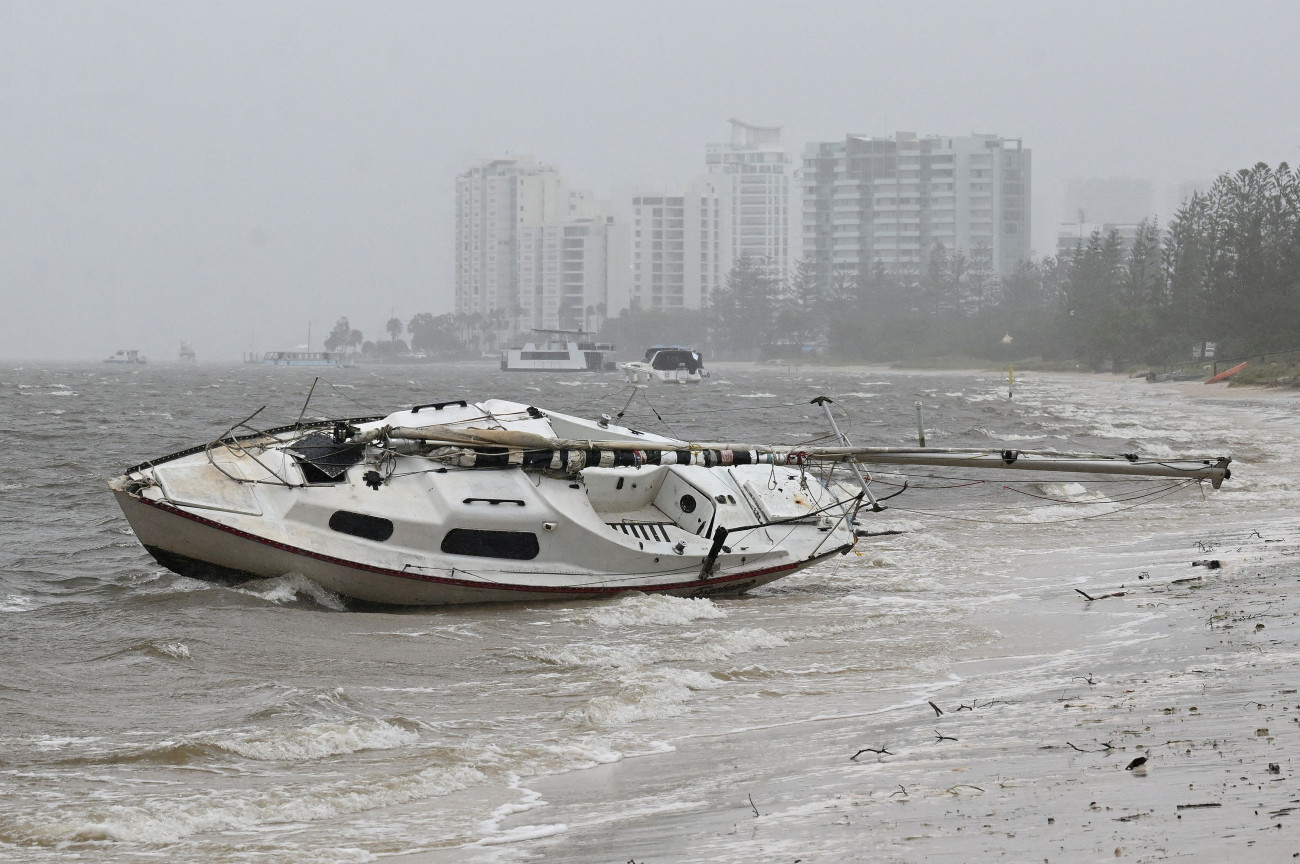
466	502
127	357
666	363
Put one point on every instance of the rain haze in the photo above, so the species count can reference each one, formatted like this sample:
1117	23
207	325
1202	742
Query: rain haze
232	174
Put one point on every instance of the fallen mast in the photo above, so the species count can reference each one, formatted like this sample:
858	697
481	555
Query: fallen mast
493	448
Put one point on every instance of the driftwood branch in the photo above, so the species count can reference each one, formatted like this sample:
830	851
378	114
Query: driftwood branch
751	804
879	752
1105	747
952	790
937	710
1088	596
939	737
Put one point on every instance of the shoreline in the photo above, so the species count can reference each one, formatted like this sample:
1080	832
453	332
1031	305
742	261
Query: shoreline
1191	669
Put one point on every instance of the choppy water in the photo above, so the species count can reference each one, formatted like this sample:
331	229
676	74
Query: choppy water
143	714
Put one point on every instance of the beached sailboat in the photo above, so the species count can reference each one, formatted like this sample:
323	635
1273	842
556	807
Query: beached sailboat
460	502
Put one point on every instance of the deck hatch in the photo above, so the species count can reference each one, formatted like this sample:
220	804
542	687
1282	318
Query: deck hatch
324	460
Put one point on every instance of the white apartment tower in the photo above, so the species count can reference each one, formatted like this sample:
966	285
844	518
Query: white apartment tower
890	200
760	171
681	245
533	251
572	274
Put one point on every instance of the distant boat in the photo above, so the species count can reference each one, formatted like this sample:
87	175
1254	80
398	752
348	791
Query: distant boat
561	352
666	363
187	354
129	357
301	358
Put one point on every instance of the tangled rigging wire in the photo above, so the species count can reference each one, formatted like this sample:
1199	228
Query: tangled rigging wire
1155	496
623	417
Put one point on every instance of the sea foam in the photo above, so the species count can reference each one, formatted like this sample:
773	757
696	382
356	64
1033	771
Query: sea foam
660	609
289	588
317	741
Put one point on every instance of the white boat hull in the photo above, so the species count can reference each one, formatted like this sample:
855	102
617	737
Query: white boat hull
205	549
225	513
644	373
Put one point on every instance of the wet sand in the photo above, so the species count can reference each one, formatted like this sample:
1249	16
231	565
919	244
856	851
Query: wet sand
1194	670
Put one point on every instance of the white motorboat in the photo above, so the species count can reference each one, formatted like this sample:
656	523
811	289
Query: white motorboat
462	502
666	363
560	351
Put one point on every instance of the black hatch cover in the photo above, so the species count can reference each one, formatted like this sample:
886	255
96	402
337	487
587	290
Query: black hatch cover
329	457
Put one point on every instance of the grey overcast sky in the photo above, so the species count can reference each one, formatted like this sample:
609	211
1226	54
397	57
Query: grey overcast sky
224	172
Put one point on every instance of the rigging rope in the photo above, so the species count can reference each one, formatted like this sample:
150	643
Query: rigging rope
940	514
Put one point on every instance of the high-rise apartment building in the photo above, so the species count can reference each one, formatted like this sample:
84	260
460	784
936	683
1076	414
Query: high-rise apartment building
761	172
891	200
572	275
532	251
681	245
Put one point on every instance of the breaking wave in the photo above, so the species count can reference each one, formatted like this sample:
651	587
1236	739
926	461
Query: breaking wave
637	609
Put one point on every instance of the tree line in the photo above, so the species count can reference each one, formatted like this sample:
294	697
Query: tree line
435	337
1225	270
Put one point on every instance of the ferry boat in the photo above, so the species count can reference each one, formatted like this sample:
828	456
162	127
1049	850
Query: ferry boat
667	363
301	358
128	357
560	351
